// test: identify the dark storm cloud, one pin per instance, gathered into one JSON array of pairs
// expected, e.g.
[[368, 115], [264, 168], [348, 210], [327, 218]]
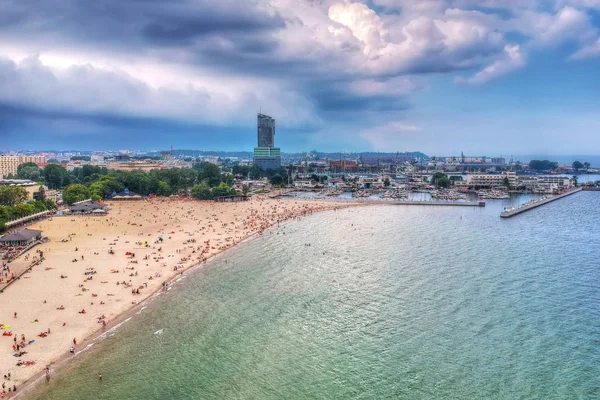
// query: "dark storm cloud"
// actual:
[[178, 29], [132, 24], [335, 98], [232, 37]]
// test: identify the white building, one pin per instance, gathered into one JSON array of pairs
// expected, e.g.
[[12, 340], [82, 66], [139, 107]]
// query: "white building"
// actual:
[[550, 184], [304, 184], [492, 180]]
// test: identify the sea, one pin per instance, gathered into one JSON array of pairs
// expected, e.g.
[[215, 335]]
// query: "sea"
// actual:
[[374, 302]]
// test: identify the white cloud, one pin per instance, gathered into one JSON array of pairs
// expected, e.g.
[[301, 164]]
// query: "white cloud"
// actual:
[[389, 137], [551, 29], [92, 90], [513, 60], [589, 51]]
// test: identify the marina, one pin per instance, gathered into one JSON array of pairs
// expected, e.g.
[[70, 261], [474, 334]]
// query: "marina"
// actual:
[[478, 203], [511, 212]]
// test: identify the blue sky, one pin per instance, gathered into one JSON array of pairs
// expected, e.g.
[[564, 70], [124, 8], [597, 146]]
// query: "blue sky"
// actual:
[[440, 76]]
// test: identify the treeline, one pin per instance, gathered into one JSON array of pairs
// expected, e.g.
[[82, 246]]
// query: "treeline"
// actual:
[[13, 205], [546, 165], [203, 180], [543, 165], [97, 182]]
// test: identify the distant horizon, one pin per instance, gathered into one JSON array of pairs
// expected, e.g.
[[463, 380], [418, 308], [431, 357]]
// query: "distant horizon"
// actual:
[[593, 159]]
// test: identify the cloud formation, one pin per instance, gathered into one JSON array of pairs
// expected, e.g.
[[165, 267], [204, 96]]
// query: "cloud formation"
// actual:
[[311, 63]]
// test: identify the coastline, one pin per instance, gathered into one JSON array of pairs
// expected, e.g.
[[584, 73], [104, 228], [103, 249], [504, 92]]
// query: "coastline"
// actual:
[[30, 385]]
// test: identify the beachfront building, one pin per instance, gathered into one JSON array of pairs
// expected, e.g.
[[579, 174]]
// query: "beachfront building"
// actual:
[[551, 184], [266, 155], [87, 207], [126, 195], [23, 237], [8, 165], [32, 188]]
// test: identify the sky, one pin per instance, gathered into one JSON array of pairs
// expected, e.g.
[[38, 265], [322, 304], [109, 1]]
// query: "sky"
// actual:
[[487, 77]]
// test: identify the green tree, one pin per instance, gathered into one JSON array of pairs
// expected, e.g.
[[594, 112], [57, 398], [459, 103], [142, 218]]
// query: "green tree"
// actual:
[[543, 165], [245, 190], [201, 191], [95, 197], [41, 193], [574, 180], [28, 171], [277, 180], [211, 174], [255, 172], [75, 193], [12, 195], [89, 170], [586, 165], [242, 170], [441, 180], [187, 178], [23, 210], [106, 185], [222, 190], [163, 189], [55, 176], [50, 205], [506, 182], [229, 179], [577, 165]]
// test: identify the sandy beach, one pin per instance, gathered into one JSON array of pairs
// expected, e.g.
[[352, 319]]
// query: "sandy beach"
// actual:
[[97, 267]]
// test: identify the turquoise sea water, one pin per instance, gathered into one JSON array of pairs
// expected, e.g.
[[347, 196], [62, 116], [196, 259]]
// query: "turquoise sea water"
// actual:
[[387, 302]]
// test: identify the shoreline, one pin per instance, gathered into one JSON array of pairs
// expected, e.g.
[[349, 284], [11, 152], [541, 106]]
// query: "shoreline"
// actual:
[[30, 385]]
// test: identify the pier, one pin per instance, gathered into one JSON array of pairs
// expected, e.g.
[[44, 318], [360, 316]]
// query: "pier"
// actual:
[[512, 213]]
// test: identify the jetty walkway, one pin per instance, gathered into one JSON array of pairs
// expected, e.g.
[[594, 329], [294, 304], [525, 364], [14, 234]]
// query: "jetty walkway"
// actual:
[[516, 211]]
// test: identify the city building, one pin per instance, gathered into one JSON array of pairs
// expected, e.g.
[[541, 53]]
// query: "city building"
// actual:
[[133, 166], [266, 131], [96, 158], [551, 184], [33, 159], [491, 180], [8, 165], [266, 155], [343, 165]]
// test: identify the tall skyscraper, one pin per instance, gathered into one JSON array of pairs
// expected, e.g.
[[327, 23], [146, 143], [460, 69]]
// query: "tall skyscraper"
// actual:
[[266, 155], [266, 131]]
